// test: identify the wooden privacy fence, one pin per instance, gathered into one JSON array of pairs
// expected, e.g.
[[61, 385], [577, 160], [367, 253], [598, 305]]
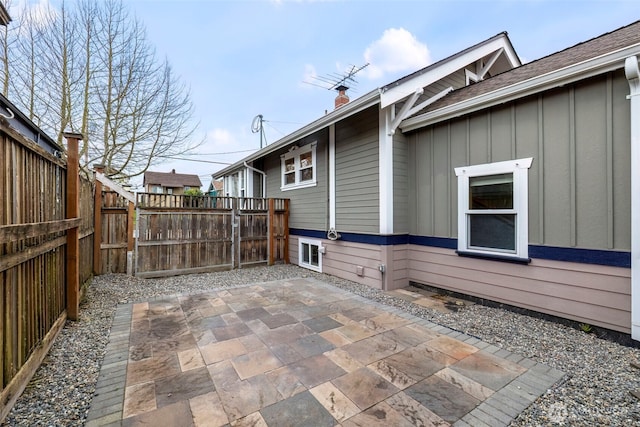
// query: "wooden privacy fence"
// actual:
[[194, 234], [44, 256], [177, 234]]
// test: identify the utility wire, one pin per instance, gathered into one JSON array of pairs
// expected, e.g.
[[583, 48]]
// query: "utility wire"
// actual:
[[195, 160], [220, 154]]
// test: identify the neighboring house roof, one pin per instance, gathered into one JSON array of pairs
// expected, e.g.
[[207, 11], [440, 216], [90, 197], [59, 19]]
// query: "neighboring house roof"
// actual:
[[397, 91], [171, 179], [217, 185], [21, 123], [592, 57]]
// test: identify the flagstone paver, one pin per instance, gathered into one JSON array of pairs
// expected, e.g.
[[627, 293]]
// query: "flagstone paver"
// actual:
[[298, 353]]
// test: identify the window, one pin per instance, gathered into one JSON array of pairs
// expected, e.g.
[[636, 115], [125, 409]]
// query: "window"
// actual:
[[241, 183], [156, 189], [299, 167], [310, 254], [234, 184], [493, 209]]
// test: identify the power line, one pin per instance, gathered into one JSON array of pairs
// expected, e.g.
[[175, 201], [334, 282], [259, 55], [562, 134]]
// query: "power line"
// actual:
[[195, 160], [286, 123], [274, 128], [222, 153]]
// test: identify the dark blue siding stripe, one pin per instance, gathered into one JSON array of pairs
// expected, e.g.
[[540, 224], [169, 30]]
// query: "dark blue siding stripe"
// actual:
[[585, 256]]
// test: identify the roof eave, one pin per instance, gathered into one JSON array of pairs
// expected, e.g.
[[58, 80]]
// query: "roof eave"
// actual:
[[585, 69], [397, 91], [353, 107]]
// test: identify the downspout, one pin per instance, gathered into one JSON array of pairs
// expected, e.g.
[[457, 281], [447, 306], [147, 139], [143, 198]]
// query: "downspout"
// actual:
[[633, 76], [264, 179]]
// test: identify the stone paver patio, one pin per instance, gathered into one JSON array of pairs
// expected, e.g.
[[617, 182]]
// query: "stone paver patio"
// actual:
[[302, 353]]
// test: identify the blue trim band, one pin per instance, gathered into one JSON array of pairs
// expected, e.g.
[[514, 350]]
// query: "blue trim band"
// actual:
[[554, 253], [585, 256], [438, 242], [370, 239]]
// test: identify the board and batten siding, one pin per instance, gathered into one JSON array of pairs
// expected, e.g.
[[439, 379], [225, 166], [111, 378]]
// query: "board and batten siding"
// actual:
[[579, 197], [579, 182], [357, 173], [400, 184], [308, 207]]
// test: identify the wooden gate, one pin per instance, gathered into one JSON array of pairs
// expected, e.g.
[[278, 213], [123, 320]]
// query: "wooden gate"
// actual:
[[114, 224], [252, 232], [173, 242], [192, 234]]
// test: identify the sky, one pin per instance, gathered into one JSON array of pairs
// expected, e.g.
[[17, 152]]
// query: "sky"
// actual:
[[242, 58]]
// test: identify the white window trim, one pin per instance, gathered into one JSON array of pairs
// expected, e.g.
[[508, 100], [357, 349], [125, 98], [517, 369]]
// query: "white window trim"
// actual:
[[310, 242], [295, 153], [520, 170], [242, 182]]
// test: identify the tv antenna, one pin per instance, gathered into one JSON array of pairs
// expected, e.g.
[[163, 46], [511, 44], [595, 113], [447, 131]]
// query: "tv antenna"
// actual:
[[258, 127], [333, 81]]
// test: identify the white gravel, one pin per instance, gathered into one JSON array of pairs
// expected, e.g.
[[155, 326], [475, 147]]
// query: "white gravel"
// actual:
[[596, 391]]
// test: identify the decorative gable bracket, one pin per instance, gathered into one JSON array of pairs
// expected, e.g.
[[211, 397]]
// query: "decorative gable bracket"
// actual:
[[409, 109], [481, 71]]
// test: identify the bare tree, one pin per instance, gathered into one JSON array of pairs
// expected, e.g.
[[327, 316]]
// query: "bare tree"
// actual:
[[91, 69]]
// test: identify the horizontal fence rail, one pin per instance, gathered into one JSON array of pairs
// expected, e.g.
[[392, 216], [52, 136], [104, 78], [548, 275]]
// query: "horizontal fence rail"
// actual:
[[178, 234], [34, 234], [180, 242]]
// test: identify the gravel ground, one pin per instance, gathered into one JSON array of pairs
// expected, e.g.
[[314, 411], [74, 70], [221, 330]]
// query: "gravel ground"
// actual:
[[596, 391]]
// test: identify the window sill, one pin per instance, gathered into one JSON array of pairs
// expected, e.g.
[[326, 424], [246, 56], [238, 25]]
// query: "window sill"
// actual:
[[494, 257], [310, 267], [296, 186]]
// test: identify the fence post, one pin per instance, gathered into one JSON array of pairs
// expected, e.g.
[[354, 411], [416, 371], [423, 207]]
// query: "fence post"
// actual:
[[97, 223], [131, 259], [73, 241], [286, 231], [270, 231]]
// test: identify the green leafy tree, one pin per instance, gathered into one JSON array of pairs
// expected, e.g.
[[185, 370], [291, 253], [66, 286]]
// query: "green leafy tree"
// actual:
[[193, 192]]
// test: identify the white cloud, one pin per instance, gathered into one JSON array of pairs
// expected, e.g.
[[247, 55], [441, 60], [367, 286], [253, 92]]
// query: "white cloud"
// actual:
[[219, 137], [396, 51], [40, 13]]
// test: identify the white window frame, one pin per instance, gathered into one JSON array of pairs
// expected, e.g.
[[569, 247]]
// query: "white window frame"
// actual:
[[308, 265], [242, 178], [295, 153], [520, 170]]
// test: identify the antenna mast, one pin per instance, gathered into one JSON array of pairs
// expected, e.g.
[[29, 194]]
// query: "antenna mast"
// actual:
[[257, 126], [334, 81]]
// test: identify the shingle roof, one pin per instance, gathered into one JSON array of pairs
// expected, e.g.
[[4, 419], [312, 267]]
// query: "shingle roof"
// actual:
[[608, 42], [218, 185], [171, 179]]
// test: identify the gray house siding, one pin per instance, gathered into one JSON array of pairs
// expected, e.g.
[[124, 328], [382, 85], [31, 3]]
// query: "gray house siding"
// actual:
[[357, 173], [575, 135], [400, 184], [308, 206], [579, 197]]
